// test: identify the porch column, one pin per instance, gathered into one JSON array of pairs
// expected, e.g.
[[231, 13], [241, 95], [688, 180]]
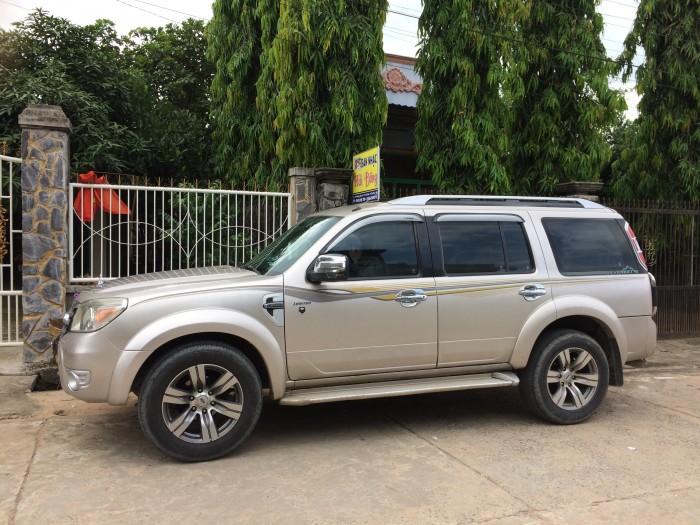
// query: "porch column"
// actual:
[[45, 175]]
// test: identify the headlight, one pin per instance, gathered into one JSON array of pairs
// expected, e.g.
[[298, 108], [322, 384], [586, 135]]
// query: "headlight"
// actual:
[[96, 313]]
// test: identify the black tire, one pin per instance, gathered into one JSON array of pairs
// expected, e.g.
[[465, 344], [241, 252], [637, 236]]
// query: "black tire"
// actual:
[[567, 377], [206, 420]]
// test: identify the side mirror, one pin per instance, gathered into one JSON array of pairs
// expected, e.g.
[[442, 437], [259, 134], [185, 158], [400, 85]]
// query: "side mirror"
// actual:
[[328, 268]]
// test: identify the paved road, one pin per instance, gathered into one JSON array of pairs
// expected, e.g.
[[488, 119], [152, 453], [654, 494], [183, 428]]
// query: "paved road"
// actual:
[[475, 456]]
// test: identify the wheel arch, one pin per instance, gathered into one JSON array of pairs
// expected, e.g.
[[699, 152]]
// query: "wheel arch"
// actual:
[[582, 314], [598, 331], [237, 329], [239, 343]]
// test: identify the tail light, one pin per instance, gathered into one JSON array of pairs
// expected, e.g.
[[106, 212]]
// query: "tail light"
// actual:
[[635, 245]]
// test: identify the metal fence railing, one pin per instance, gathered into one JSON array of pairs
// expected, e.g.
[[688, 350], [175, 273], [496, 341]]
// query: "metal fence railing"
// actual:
[[10, 252], [669, 234], [120, 230]]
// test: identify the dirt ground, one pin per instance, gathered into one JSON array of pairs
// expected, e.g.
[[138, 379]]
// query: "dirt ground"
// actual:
[[473, 456]]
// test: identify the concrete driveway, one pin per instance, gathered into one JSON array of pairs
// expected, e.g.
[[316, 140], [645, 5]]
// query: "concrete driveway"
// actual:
[[475, 456]]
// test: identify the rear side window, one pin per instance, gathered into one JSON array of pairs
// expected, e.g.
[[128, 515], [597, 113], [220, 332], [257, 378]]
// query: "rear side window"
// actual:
[[481, 247], [590, 247]]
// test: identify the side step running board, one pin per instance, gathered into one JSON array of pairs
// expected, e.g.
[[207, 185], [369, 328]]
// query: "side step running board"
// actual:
[[407, 387]]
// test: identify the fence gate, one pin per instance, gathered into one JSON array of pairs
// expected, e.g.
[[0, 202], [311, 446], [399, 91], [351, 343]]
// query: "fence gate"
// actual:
[[10, 252], [121, 230]]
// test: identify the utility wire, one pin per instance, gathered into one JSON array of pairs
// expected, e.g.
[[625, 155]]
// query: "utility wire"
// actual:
[[168, 9], [620, 3], [15, 5], [149, 12]]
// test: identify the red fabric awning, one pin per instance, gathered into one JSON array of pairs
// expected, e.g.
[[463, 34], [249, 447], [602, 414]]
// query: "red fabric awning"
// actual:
[[89, 200]]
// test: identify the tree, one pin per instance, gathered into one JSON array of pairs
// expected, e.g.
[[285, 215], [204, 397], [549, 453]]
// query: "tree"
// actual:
[[663, 159], [461, 134], [243, 150], [619, 138], [48, 60], [172, 61], [563, 104], [297, 83], [326, 60], [138, 104]]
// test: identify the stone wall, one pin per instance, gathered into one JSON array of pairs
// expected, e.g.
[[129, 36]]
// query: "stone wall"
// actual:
[[45, 176]]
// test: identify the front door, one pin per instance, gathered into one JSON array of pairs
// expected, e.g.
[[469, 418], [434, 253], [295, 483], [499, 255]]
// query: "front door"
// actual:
[[383, 318]]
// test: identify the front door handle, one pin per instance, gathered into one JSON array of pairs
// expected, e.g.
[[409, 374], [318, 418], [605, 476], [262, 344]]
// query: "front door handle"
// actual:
[[532, 292], [410, 298]]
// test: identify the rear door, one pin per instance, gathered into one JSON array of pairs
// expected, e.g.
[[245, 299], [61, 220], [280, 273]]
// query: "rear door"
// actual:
[[490, 280]]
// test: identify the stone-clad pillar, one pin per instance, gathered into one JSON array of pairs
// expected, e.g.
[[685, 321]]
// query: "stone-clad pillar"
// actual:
[[45, 175], [302, 185], [317, 189]]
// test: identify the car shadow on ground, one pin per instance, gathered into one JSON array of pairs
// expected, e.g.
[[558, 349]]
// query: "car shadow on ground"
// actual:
[[117, 430]]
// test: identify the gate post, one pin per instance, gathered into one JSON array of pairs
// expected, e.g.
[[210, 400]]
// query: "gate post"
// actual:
[[302, 186], [45, 175], [317, 189]]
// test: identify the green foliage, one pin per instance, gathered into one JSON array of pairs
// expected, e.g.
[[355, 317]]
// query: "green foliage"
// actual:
[[618, 137], [461, 134], [172, 60], [235, 48], [331, 102], [663, 158], [137, 106], [48, 60], [297, 83], [562, 102]]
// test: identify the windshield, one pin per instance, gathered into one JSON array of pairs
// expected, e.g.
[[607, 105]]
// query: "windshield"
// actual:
[[293, 243]]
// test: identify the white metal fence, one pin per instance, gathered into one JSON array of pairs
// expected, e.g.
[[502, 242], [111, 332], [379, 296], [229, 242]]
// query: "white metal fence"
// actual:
[[123, 230], [10, 252]]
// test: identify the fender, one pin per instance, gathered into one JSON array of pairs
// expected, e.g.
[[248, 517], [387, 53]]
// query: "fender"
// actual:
[[189, 322], [561, 307], [535, 325]]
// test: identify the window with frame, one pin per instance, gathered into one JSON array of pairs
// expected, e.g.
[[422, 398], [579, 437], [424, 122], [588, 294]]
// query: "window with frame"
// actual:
[[380, 250], [590, 247], [472, 247]]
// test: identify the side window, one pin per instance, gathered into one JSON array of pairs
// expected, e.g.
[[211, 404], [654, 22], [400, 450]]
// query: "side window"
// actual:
[[478, 247], [380, 250], [590, 247]]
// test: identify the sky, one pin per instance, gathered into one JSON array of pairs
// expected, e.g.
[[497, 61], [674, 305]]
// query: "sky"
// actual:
[[400, 36]]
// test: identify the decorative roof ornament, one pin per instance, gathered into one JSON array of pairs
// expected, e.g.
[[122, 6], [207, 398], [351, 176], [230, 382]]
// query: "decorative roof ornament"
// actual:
[[396, 81]]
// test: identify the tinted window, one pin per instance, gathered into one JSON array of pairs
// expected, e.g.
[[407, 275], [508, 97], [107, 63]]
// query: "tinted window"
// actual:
[[380, 250], [518, 253], [484, 247], [590, 246]]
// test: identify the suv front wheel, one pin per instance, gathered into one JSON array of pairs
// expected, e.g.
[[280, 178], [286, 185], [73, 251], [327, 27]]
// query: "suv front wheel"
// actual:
[[200, 401], [566, 378]]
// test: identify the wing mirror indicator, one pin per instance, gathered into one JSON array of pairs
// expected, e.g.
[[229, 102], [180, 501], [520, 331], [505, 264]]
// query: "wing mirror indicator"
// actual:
[[329, 267]]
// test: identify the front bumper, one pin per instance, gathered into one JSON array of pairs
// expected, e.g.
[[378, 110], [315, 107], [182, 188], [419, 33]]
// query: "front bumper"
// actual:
[[86, 364]]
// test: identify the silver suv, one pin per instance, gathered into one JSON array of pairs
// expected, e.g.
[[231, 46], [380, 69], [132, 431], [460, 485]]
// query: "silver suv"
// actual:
[[420, 294]]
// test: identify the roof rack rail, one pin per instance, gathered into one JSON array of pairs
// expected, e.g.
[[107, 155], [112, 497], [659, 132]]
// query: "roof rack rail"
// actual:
[[489, 200]]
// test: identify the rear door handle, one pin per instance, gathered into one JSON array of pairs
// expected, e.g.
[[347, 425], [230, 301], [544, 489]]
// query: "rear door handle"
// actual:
[[532, 292], [410, 298]]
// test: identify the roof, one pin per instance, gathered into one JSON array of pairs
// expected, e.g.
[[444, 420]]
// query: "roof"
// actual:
[[401, 82]]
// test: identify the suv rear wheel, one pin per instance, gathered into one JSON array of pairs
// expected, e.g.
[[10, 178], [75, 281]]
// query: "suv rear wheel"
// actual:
[[566, 378], [200, 401]]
